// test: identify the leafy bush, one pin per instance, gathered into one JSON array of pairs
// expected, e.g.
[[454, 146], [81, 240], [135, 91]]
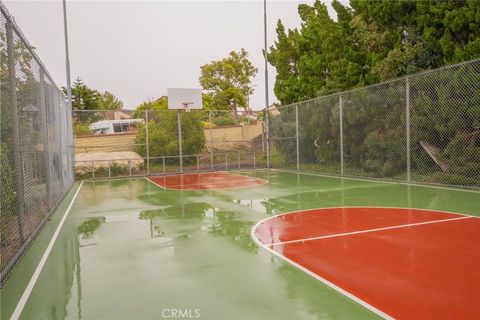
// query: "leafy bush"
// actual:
[[7, 181], [223, 121], [163, 134], [82, 129]]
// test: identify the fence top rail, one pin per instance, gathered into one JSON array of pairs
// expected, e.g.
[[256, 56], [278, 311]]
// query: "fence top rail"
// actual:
[[400, 79], [18, 31], [247, 112], [161, 157]]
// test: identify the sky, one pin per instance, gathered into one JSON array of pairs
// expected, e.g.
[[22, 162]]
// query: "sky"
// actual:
[[138, 49]]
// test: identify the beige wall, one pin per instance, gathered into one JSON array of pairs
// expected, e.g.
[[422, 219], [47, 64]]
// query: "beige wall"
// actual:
[[126, 141], [234, 135], [105, 143]]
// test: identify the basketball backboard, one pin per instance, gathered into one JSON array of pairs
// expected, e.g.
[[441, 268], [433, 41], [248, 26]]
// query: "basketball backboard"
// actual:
[[183, 98]]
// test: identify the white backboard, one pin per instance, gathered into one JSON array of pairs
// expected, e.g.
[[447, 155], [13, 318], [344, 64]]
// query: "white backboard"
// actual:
[[178, 97]]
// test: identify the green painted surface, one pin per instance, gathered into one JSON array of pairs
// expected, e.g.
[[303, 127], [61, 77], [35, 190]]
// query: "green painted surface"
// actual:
[[132, 250]]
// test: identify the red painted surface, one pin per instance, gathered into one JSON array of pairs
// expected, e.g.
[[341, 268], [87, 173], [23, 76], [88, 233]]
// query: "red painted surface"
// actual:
[[428, 271], [207, 180], [328, 221]]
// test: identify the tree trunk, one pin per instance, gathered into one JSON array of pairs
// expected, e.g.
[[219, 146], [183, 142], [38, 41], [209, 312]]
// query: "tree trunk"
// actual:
[[235, 113]]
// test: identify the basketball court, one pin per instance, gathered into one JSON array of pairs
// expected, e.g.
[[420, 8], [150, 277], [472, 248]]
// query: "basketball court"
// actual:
[[387, 259], [298, 247], [206, 180], [207, 221]]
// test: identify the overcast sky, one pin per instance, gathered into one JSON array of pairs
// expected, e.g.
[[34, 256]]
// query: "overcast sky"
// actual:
[[137, 49]]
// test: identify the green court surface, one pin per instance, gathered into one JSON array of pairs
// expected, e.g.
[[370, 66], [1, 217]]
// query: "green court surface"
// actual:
[[131, 250]]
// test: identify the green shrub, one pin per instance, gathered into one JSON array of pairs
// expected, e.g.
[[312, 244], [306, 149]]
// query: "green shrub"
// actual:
[[7, 181], [163, 135], [82, 129], [223, 121]]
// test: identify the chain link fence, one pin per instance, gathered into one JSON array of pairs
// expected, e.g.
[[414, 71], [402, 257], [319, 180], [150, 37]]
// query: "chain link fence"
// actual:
[[36, 144], [424, 128], [126, 143]]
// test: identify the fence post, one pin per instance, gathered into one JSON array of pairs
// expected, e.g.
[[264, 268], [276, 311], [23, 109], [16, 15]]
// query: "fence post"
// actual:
[[46, 148], [254, 164], [211, 139], [198, 164], [226, 161], [109, 172], [297, 138], [180, 149], [130, 168], [147, 142], [407, 112], [267, 134], [163, 164], [342, 162], [238, 159], [17, 157]]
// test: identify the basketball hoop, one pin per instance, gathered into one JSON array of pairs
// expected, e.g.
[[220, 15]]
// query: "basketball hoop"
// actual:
[[186, 106]]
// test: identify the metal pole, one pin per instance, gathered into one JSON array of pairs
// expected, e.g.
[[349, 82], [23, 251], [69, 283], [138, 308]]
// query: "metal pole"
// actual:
[[407, 111], [109, 172], [180, 150], [211, 139], [198, 164], [163, 165], [298, 144], [266, 82], [17, 156], [226, 161], [147, 142], [67, 55], [130, 168], [254, 164], [341, 134], [46, 149]]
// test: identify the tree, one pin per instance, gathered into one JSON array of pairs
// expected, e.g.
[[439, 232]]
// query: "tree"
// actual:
[[163, 130], [84, 98], [370, 42], [159, 104], [373, 41], [229, 81], [88, 99], [109, 102]]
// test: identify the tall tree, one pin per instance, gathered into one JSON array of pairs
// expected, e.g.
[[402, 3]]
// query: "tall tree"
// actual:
[[163, 130], [371, 41], [229, 80], [85, 98], [108, 101]]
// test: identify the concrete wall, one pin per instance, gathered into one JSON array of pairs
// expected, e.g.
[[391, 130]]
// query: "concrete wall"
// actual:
[[105, 143], [224, 137]]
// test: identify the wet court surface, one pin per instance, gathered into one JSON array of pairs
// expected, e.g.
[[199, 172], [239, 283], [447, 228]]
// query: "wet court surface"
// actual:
[[130, 249]]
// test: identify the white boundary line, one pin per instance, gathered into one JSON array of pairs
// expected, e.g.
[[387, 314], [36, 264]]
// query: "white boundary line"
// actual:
[[367, 231], [368, 207], [316, 276], [217, 189], [28, 290], [323, 280], [376, 180]]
